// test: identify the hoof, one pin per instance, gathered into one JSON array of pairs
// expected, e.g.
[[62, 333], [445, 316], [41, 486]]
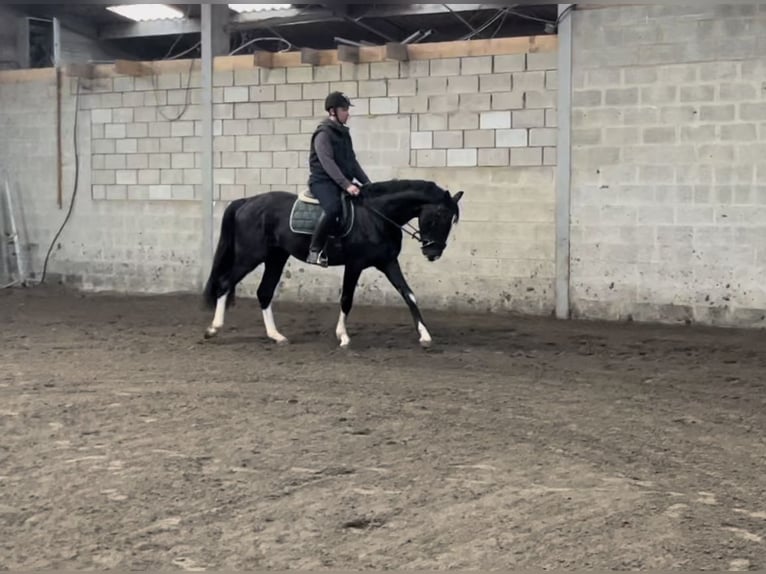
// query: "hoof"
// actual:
[[210, 333], [282, 342], [345, 344], [426, 343]]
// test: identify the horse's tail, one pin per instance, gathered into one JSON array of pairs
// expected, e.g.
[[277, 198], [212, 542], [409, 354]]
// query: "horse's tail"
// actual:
[[223, 260]]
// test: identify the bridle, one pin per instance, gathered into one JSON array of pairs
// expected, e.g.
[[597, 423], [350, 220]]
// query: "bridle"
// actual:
[[415, 233]]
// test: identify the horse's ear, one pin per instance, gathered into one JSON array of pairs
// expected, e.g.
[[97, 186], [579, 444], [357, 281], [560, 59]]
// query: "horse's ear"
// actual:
[[457, 196]]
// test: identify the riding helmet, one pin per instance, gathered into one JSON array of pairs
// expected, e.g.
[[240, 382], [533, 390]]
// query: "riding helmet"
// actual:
[[336, 100]]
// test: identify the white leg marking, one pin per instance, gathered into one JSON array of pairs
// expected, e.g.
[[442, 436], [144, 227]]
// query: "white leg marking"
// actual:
[[340, 331], [412, 298], [425, 336], [271, 327], [220, 308]]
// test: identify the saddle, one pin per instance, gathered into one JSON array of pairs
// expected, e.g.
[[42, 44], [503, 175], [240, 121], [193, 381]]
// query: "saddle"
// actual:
[[306, 211]]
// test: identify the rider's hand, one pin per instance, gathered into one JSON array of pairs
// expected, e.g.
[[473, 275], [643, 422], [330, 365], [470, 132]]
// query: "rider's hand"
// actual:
[[352, 189]]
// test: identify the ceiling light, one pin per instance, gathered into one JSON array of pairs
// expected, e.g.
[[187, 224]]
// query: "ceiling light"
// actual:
[[146, 12], [239, 8]]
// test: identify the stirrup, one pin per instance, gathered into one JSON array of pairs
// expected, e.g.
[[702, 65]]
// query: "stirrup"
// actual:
[[317, 258]]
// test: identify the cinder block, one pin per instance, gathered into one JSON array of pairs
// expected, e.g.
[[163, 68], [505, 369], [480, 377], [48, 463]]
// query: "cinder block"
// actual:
[[354, 72], [443, 103], [528, 119], [262, 126], [236, 94], [273, 110], [298, 142], [421, 140], [126, 146], [223, 176], [495, 83], [114, 161], [132, 99], [434, 122], [273, 75], [126, 177], [384, 70], [545, 99], [274, 176], [168, 82], [351, 89], [621, 97], [475, 102], [552, 80], [137, 130], [275, 142], [493, 157], [103, 177], [507, 100], [697, 93], [259, 159], [137, 161], [159, 160], [327, 73], [379, 106], [431, 158], [510, 63], [97, 131], [116, 192], [262, 93], [495, 120], [286, 159], [445, 67], [659, 135], [300, 109], [413, 104], [182, 160], [290, 126], [463, 85], [476, 65], [739, 132], [647, 75], [551, 118], [432, 86], [462, 158], [528, 81], [115, 131], [405, 87], [149, 177], [511, 138], [373, 89], [248, 143], [145, 114], [234, 127], [101, 116], [300, 74], [463, 121], [714, 113], [246, 111], [549, 156], [182, 129], [287, 92], [543, 137], [414, 69], [542, 60], [448, 139], [250, 77], [237, 159], [479, 139], [224, 143], [244, 176]]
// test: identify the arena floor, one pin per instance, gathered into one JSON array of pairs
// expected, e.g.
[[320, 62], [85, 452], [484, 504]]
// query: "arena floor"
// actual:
[[129, 442]]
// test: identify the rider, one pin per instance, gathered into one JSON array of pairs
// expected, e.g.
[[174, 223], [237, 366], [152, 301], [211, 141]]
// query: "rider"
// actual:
[[333, 168]]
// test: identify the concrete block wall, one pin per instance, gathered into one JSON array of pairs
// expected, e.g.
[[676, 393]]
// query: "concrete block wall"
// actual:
[[669, 164], [489, 131]]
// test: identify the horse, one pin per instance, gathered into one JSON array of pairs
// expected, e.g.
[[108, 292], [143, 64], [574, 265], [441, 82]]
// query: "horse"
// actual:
[[258, 230]]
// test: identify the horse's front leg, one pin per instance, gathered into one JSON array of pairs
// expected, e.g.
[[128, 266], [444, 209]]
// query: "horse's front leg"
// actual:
[[394, 274], [350, 279]]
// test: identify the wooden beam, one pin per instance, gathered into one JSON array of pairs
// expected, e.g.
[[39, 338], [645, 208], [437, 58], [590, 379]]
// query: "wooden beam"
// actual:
[[132, 68], [397, 51], [310, 56], [348, 54], [263, 59]]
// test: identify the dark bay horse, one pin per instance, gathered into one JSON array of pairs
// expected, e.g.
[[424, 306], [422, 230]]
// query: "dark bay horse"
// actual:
[[257, 230]]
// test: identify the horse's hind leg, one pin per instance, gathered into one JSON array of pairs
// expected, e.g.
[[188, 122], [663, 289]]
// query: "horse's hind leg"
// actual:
[[238, 272], [275, 264]]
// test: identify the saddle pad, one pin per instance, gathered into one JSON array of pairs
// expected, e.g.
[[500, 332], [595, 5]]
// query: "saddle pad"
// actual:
[[304, 217]]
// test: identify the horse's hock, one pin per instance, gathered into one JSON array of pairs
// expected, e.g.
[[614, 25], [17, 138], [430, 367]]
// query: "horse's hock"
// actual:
[[663, 218]]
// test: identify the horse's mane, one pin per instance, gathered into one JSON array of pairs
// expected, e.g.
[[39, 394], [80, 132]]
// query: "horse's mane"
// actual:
[[392, 186]]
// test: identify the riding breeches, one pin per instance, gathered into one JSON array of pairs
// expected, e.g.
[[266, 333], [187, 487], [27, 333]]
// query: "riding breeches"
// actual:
[[329, 196]]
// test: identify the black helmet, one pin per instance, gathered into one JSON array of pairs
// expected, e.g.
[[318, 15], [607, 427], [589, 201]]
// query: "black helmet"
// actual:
[[336, 100]]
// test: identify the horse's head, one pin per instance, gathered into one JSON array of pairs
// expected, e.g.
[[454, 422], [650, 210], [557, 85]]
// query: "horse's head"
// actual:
[[436, 221]]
